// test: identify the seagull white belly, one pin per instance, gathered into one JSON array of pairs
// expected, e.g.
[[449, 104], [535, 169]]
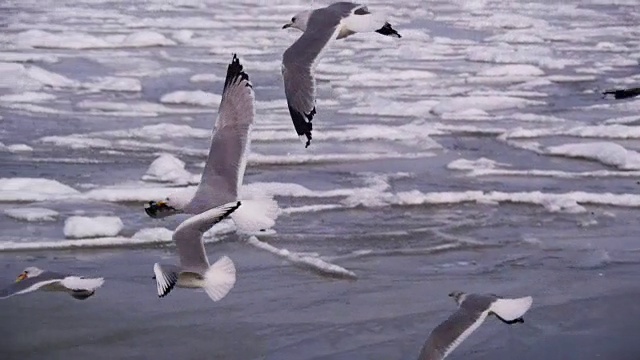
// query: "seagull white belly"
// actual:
[[190, 280]]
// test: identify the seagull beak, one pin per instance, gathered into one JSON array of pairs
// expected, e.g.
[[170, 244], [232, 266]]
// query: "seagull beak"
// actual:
[[21, 277], [287, 25]]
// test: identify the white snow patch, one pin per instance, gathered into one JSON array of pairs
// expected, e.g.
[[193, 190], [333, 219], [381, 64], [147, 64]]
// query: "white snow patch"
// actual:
[[198, 97], [168, 168], [33, 189], [32, 214], [77, 227]]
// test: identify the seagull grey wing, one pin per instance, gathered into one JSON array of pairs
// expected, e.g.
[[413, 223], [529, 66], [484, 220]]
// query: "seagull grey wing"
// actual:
[[298, 63], [451, 333], [31, 284], [188, 236], [225, 165], [345, 8]]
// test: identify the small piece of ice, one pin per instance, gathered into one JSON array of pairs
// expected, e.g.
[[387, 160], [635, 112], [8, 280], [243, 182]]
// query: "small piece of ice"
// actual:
[[77, 227], [32, 214], [198, 98]]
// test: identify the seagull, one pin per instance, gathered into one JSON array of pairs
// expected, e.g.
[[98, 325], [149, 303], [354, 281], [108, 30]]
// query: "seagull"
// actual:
[[194, 270], [472, 310], [622, 93], [33, 278], [224, 169], [320, 27]]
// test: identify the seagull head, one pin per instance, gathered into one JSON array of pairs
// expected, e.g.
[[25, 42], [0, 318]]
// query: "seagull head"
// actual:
[[159, 209], [299, 21], [171, 205], [31, 271], [458, 296]]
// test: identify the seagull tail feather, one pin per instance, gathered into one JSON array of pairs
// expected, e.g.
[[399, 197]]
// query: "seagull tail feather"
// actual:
[[511, 309], [220, 278]]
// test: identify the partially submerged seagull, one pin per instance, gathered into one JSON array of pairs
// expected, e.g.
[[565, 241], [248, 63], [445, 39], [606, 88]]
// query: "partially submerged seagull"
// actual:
[[33, 278], [225, 165], [472, 310], [320, 27], [194, 270]]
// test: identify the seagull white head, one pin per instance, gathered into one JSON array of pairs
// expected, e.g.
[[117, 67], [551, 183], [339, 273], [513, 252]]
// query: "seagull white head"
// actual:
[[31, 271], [172, 204], [458, 296], [299, 21]]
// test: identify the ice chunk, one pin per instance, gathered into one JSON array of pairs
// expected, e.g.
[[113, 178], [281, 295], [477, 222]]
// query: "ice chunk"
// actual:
[[32, 214], [608, 153], [486, 103], [27, 97], [78, 227], [168, 168], [198, 97], [33, 189]]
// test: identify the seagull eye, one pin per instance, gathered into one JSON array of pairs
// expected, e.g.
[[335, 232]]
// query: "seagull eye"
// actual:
[[293, 19]]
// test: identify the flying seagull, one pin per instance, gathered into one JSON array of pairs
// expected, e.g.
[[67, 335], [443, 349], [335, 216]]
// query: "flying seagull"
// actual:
[[225, 165], [320, 27], [472, 310], [32, 279], [194, 270], [622, 93]]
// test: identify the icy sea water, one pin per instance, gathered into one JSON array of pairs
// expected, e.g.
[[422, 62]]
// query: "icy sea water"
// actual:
[[473, 154]]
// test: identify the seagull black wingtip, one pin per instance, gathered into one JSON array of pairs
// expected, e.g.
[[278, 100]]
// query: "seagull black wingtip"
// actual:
[[235, 70]]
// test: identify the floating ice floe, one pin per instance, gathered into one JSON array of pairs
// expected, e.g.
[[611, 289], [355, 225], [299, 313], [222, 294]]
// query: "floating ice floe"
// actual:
[[615, 131], [485, 103], [76, 40], [114, 83], [205, 78], [516, 70], [607, 153], [522, 54], [77, 227], [168, 168], [517, 37], [30, 77], [33, 189], [17, 148], [508, 21], [481, 163], [27, 97], [198, 98], [21, 57], [32, 214]]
